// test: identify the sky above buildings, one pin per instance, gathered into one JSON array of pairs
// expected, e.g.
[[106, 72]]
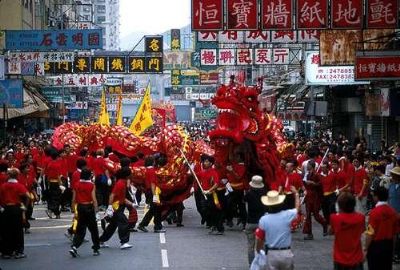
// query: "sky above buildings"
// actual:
[[153, 16]]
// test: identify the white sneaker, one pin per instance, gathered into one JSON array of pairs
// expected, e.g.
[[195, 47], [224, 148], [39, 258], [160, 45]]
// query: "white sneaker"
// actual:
[[104, 245], [125, 246]]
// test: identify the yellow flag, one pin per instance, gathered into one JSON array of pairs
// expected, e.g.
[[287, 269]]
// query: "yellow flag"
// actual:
[[119, 111], [143, 118], [104, 118]]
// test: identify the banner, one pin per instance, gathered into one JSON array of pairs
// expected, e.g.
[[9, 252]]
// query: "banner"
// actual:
[[104, 118], [312, 14], [143, 118], [384, 65], [41, 57], [44, 40], [207, 15], [382, 13], [276, 14], [346, 14], [338, 47], [11, 93], [242, 14], [175, 40]]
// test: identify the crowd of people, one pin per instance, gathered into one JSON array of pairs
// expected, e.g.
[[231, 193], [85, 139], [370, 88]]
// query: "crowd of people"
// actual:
[[339, 183]]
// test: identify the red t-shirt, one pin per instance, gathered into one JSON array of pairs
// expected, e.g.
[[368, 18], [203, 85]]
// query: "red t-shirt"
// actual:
[[53, 169], [3, 178], [71, 162], [119, 191], [11, 192], [292, 179], [208, 177], [240, 170], [63, 166], [76, 176], [340, 178], [99, 166], [83, 191], [151, 177], [382, 222], [360, 177], [328, 182], [26, 180], [347, 228]]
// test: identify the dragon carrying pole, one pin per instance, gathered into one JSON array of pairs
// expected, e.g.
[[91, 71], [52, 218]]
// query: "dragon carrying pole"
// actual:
[[194, 174]]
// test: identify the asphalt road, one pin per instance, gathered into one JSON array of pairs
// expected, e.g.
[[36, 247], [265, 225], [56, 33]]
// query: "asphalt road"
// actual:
[[188, 247]]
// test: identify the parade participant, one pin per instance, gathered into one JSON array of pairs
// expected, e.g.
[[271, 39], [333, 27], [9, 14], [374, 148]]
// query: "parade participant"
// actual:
[[360, 186], [394, 201], [84, 200], [348, 227], [12, 231], [209, 180], [236, 175], [27, 180], [273, 234], [115, 210], [313, 201], [102, 176], [154, 210], [3, 172], [53, 174], [382, 228], [348, 169], [328, 182], [255, 210], [339, 175]]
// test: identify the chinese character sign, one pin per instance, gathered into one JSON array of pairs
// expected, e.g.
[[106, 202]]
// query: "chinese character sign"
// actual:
[[226, 57], [208, 57], [82, 64], [136, 64], [312, 14], [116, 64], [347, 14], [207, 15], [242, 14], [281, 56], [374, 67], [84, 39], [382, 13], [263, 56], [99, 64], [175, 39], [153, 44], [154, 64], [244, 56], [276, 14]]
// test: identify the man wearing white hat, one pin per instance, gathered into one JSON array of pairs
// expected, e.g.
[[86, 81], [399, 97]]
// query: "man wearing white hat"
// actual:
[[273, 234]]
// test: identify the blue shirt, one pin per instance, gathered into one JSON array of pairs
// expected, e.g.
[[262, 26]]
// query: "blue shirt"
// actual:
[[394, 196], [277, 228]]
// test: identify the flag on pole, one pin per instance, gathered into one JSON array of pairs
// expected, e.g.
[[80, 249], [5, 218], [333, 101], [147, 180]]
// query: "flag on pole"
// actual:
[[104, 118], [119, 111], [143, 118]]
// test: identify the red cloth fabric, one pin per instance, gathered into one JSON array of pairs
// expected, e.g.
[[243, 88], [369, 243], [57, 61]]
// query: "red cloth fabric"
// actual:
[[383, 221], [360, 176], [240, 170], [3, 178], [208, 177], [119, 191], [340, 178], [76, 176], [71, 162], [10, 193], [292, 179], [347, 228], [328, 182], [83, 191], [53, 169], [260, 234], [99, 166], [151, 177], [26, 180]]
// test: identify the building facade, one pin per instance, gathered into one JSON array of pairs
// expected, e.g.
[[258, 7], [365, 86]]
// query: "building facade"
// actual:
[[106, 15]]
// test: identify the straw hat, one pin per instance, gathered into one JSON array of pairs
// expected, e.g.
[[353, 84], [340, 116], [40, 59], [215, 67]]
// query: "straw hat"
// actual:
[[272, 198], [395, 171], [256, 182]]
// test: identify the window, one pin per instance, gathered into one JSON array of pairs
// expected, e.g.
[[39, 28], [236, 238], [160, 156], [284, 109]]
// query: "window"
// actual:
[[101, 9], [101, 19]]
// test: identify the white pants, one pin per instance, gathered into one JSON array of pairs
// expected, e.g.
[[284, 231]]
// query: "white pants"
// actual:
[[280, 260]]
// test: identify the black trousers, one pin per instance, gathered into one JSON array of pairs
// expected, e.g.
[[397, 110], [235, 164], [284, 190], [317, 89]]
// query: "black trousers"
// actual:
[[380, 255], [328, 206], [12, 230], [214, 214], [236, 205], [120, 221], [338, 266], [54, 198], [86, 219], [201, 204], [154, 211]]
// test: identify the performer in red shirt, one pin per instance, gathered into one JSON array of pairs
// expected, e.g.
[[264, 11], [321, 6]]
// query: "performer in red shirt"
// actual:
[[340, 176], [382, 228], [236, 175], [27, 179], [12, 231], [360, 186], [117, 203], [84, 198], [53, 173], [328, 182], [348, 227], [102, 176]]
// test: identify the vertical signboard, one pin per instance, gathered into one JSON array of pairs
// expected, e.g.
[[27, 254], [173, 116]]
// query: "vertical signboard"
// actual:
[[207, 15], [242, 14], [346, 14], [312, 14], [382, 13], [276, 14], [175, 39]]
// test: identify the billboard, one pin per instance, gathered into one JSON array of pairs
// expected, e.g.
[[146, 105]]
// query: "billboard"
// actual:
[[11, 93], [383, 65], [44, 40]]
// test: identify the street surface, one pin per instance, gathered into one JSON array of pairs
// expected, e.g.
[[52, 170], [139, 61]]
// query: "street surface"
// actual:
[[188, 247]]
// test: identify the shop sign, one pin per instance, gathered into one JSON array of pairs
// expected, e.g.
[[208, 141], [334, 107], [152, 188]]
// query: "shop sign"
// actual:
[[377, 65]]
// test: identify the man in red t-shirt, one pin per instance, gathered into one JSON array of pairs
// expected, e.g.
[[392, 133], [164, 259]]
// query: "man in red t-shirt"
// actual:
[[382, 228], [360, 186], [53, 172], [328, 188], [12, 233], [348, 227]]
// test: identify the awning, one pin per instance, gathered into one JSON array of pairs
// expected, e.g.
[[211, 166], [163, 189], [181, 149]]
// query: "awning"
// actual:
[[33, 102]]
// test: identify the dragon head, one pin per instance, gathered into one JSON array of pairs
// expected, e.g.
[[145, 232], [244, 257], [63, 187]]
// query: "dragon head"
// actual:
[[238, 117]]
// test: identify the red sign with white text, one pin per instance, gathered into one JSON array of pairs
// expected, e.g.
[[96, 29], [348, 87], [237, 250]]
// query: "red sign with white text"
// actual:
[[377, 67], [276, 14], [346, 14], [207, 15], [312, 14], [242, 14], [382, 13]]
